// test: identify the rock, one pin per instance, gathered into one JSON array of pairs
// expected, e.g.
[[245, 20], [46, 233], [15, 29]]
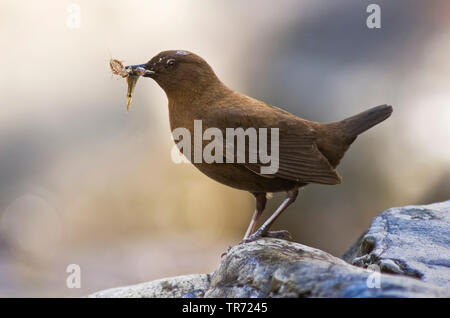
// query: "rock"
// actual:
[[405, 253], [352, 252], [277, 268], [412, 241], [180, 286]]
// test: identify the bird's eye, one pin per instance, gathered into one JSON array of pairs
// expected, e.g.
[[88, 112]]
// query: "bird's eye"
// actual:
[[171, 62]]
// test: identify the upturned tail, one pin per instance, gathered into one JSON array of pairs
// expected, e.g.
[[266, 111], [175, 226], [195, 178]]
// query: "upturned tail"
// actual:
[[355, 125]]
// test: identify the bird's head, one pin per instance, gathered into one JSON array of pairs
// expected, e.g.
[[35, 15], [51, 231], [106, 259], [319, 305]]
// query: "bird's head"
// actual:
[[178, 71]]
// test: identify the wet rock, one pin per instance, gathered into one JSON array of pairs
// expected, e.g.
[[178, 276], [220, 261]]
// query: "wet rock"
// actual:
[[181, 286], [412, 241], [277, 268], [405, 253]]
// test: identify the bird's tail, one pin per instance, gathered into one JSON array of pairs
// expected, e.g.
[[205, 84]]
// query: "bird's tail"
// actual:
[[355, 125]]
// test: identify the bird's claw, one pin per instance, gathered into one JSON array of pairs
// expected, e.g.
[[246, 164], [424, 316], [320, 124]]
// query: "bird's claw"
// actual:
[[254, 237], [281, 234]]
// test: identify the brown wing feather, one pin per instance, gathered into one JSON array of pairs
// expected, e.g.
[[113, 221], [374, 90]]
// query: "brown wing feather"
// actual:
[[299, 158]]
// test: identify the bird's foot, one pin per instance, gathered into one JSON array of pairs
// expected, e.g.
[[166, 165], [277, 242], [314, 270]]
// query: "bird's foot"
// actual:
[[281, 234], [254, 237]]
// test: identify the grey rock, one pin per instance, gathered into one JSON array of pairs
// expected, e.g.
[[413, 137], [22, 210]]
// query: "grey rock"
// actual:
[[352, 252], [412, 241], [405, 253], [277, 268], [181, 286]]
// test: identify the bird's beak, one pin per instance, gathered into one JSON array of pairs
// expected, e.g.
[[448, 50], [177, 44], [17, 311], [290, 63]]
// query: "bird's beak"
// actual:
[[139, 70], [134, 71]]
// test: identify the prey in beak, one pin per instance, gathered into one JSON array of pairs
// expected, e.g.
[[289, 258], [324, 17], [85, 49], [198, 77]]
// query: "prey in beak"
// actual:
[[140, 70], [131, 73]]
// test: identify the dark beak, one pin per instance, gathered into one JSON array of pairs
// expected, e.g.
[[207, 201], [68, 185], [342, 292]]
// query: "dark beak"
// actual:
[[139, 70]]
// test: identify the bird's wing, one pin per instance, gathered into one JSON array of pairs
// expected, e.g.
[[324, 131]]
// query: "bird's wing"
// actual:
[[299, 157]]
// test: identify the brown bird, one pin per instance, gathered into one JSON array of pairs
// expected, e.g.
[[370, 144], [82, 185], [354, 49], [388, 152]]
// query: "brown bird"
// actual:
[[308, 151]]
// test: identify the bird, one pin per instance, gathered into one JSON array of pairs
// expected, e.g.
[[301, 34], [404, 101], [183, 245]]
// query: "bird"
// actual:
[[309, 151]]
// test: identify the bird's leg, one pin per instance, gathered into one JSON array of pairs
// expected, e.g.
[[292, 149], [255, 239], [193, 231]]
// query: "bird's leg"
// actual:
[[260, 206], [263, 230]]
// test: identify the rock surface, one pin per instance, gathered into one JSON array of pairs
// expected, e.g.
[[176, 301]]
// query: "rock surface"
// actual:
[[276, 268], [412, 241], [181, 286], [410, 245]]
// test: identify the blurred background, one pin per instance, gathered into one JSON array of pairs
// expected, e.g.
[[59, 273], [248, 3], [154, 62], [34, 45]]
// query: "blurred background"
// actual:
[[84, 182]]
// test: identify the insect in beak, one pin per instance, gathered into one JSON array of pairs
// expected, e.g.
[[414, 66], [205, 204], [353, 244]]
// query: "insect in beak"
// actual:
[[131, 73]]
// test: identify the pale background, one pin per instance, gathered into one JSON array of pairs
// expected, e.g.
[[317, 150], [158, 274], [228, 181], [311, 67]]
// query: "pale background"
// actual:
[[84, 182]]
